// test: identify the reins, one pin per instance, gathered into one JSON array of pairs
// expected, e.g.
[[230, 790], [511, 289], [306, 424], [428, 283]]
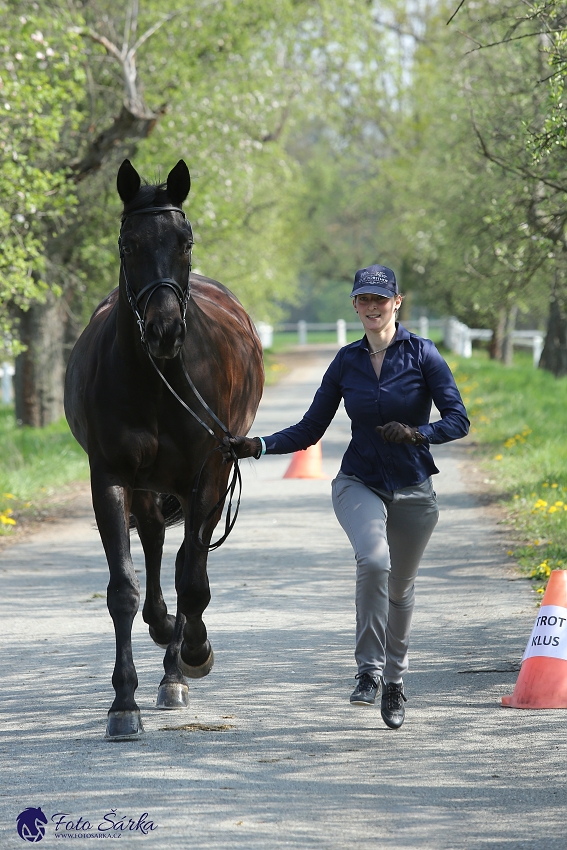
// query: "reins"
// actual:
[[183, 299]]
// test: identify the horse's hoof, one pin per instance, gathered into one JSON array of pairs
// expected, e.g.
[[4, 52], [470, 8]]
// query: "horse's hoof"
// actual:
[[154, 637], [124, 726], [199, 671], [172, 695]]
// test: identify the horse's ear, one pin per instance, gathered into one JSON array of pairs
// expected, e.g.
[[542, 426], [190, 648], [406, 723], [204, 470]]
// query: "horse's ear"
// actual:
[[128, 182], [178, 183]]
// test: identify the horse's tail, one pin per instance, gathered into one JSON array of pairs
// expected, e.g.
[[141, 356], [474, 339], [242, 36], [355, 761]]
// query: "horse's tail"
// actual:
[[171, 510]]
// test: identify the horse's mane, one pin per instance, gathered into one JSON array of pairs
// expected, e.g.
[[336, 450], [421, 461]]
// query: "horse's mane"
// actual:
[[149, 195]]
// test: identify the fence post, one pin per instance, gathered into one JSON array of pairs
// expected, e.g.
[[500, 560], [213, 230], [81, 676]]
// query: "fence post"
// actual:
[[7, 372], [424, 327], [537, 349], [341, 332], [302, 332], [266, 334]]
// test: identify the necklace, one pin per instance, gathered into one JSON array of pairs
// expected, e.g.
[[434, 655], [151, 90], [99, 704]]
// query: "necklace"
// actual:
[[378, 350]]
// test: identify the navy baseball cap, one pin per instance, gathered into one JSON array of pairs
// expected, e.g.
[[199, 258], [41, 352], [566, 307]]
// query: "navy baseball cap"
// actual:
[[375, 280]]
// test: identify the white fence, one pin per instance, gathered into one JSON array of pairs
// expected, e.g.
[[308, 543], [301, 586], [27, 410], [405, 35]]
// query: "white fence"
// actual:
[[302, 328], [7, 372], [457, 336]]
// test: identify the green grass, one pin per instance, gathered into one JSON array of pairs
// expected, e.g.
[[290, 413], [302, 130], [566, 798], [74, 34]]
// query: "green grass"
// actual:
[[36, 463], [518, 420]]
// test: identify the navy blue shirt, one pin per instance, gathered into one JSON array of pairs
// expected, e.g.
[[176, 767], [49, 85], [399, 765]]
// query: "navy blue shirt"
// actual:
[[413, 376]]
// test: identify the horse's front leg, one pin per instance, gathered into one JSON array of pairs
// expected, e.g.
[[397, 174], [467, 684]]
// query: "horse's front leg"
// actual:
[[196, 656], [111, 503]]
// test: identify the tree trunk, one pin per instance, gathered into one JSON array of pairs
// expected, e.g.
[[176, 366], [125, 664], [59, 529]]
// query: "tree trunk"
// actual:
[[554, 354], [495, 347], [40, 369]]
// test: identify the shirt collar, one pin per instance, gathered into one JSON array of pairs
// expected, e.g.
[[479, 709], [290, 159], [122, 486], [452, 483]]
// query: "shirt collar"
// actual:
[[401, 333]]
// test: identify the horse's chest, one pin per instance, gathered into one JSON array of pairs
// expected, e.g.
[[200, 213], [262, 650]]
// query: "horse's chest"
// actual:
[[161, 459]]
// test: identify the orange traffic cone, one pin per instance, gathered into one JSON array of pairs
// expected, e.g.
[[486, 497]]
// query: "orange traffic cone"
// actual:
[[542, 682], [306, 464]]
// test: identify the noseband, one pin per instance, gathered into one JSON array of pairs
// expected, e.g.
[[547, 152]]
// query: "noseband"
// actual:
[[181, 294]]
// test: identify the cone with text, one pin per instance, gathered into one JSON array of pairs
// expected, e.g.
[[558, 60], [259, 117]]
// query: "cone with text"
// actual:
[[306, 463], [542, 682]]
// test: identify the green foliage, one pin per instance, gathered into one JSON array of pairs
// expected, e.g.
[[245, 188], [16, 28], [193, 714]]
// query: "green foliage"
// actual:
[[517, 417], [41, 89]]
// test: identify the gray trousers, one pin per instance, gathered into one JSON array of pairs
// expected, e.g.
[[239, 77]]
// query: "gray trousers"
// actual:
[[389, 533]]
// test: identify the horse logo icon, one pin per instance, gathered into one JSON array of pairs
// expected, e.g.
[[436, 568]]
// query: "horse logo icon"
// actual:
[[31, 824]]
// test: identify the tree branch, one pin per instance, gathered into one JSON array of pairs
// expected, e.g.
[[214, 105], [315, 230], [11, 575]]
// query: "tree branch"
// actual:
[[455, 12], [135, 121]]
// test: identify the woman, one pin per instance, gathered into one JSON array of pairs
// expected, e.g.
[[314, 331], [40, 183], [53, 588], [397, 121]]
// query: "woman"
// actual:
[[383, 495]]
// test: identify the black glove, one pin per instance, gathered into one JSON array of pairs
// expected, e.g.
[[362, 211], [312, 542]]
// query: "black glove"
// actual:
[[241, 446], [397, 432]]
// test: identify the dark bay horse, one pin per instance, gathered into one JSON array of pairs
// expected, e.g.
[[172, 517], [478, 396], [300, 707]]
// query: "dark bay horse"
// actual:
[[142, 442]]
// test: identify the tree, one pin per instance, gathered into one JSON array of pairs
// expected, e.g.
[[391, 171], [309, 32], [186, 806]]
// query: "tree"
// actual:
[[40, 85]]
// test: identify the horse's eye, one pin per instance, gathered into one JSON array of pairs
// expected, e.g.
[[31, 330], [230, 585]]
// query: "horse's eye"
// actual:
[[187, 248], [127, 249]]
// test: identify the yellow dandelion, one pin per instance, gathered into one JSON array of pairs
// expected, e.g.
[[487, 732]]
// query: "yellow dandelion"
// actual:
[[8, 495], [559, 504], [552, 509], [545, 484], [555, 486], [498, 457], [510, 552]]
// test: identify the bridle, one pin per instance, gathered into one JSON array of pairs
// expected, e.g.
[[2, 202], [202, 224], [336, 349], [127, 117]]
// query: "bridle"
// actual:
[[183, 296]]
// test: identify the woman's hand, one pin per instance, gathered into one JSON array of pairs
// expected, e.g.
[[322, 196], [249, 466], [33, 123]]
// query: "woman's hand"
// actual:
[[241, 446], [397, 432]]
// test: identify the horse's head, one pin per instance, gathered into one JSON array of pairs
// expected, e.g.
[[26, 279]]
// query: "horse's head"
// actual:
[[155, 251]]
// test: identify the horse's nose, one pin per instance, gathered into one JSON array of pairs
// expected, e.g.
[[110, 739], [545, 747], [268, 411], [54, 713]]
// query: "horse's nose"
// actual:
[[165, 338]]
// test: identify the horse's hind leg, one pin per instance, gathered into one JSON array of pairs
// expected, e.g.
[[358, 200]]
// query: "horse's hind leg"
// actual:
[[151, 531], [165, 630], [173, 691]]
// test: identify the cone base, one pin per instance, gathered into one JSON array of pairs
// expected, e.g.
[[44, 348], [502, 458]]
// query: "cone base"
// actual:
[[542, 683]]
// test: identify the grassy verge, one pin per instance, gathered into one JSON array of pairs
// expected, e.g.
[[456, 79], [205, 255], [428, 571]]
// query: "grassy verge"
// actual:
[[36, 463], [518, 421]]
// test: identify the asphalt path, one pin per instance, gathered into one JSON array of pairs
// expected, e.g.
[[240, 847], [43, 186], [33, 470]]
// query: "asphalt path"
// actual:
[[270, 754]]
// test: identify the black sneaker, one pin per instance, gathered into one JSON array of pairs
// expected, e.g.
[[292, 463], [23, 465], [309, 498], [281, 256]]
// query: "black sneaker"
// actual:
[[366, 690], [392, 709]]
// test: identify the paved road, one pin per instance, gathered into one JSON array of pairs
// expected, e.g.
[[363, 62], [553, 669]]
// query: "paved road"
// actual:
[[270, 754]]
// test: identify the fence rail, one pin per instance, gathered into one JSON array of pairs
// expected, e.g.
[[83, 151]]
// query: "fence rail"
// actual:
[[457, 336]]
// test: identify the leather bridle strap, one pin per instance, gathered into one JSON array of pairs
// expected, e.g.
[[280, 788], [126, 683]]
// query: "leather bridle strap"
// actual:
[[149, 289], [230, 518], [183, 298]]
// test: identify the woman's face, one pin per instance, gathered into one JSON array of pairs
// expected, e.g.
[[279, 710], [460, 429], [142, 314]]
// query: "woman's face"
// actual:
[[376, 312]]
